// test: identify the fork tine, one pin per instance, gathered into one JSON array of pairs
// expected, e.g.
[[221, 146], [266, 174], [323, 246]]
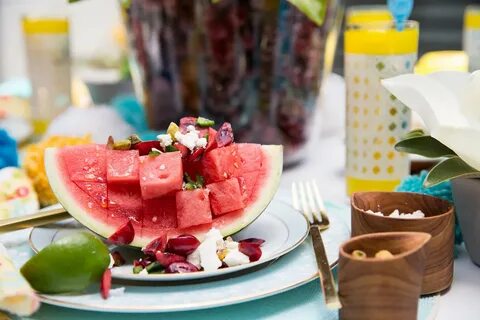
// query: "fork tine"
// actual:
[[315, 209], [319, 200], [307, 212]]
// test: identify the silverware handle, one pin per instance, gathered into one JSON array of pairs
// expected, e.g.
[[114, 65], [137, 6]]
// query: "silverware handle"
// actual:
[[33, 220], [326, 278]]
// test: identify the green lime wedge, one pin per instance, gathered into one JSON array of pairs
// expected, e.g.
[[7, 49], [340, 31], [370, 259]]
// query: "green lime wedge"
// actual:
[[67, 265]]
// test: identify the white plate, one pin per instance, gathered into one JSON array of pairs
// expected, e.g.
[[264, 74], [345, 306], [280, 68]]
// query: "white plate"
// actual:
[[282, 228], [290, 271]]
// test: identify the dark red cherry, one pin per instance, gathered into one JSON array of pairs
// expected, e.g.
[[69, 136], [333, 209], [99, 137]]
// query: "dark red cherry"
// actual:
[[181, 267], [166, 258], [182, 245], [253, 251], [155, 245]]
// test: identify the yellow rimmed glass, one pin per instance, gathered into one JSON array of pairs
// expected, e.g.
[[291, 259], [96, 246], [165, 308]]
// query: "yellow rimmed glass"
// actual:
[[376, 120], [471, 36]]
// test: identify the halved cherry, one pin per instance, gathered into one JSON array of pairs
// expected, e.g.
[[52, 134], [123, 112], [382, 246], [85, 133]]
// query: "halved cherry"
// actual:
[[251, 250], [196, 155], [254, 241], [106, 283], [145, 147], [183, 150], [166, 258], [182, 245], [212, 142], [181, 267], [155, 245], [224, 135], [187, 121], [123, 235]]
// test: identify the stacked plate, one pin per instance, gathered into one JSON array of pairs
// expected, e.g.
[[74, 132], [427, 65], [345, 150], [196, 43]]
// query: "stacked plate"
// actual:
[[287, 262]]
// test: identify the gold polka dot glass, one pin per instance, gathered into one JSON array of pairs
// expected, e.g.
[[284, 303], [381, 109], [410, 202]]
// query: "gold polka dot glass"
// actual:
[[375, 51]]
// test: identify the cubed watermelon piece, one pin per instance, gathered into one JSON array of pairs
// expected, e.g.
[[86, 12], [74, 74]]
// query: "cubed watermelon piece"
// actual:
[[122, 166], [221, 164], [225, 196], [250, 156], [247, 183], [160, 175], [125, 203], [86, 162], [193, 208], [96, 190], [160, 213]]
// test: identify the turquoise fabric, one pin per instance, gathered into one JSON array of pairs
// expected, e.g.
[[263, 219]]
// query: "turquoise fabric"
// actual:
[[8, 150]]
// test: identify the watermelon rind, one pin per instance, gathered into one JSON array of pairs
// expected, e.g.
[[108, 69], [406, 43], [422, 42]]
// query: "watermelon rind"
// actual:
[[65, 194]]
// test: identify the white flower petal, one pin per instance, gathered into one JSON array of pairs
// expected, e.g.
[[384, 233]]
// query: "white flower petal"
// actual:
[[471, 99], [455, 81], [462, 140], [433, 101]]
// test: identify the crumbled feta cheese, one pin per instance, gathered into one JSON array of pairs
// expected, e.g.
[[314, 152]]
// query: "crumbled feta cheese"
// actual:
[[165, 140], [398, 215], [206, 253], [201, 143], [191, 139], [235, 258], [230, 244]]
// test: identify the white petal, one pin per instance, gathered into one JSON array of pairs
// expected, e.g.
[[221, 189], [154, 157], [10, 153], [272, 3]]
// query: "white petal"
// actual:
[[456, 81], [433, 101], [462, 140], [471, 99]]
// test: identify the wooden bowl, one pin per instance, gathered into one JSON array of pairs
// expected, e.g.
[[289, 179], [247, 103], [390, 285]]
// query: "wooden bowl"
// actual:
[[379, 289], [439, 222]]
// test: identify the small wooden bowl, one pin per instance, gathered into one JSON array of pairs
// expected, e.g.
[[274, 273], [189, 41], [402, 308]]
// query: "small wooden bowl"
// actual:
[[439, 222], [378, 289]]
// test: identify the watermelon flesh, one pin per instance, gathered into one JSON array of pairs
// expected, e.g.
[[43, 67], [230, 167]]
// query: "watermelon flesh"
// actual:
[[160, 175], [157, 206]]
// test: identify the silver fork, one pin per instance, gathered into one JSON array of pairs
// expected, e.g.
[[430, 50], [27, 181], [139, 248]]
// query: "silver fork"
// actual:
[[306, 198]]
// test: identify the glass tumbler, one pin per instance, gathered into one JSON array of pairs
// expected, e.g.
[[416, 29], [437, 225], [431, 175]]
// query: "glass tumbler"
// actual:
[[471, 36], [376, 120]]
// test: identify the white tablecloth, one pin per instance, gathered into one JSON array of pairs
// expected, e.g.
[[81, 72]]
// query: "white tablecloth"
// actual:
[[325, 162]]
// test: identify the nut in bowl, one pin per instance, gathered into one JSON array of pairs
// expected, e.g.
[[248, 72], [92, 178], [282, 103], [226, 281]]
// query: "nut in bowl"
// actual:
[[375, 280], [403, 211]]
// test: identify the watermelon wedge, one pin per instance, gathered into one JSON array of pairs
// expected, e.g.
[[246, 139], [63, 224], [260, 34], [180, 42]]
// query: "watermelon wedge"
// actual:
[[240, 181]]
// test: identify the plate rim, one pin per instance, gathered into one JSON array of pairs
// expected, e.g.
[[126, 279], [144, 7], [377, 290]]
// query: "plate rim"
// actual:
[[220, 272]]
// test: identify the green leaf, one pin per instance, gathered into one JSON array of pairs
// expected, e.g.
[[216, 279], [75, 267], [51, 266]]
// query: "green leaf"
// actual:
[[137, 269], [450, 168], [170, 149], [190, 186], [200, 181], [426, 146], [315, 10], [414, 133]]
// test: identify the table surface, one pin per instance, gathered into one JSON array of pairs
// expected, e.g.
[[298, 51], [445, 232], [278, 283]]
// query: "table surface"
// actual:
[[325, 162]]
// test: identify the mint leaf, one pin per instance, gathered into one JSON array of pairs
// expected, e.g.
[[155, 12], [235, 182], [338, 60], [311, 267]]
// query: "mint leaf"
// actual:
[[315, 10], [204, 122]]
